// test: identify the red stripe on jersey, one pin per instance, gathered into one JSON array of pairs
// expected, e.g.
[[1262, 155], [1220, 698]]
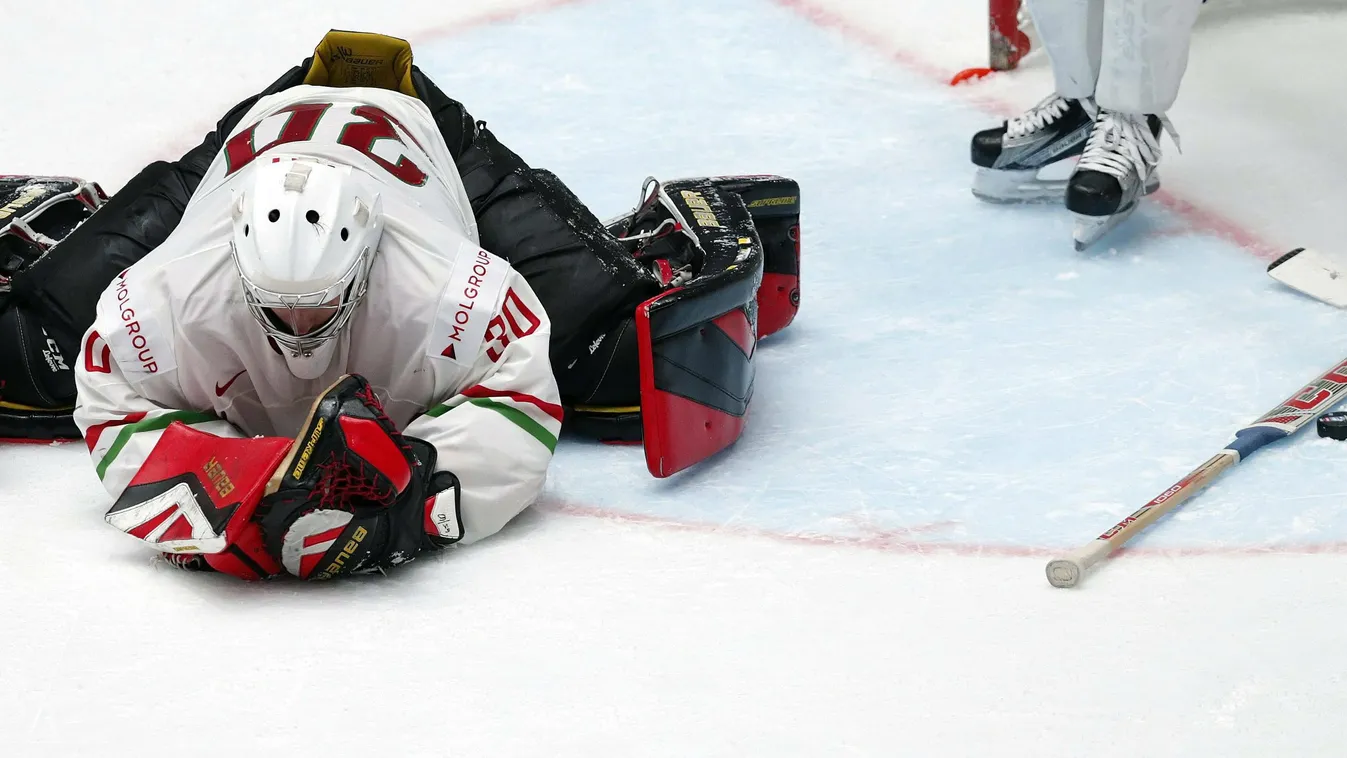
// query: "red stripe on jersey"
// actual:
[[551, 409], [96, 431]]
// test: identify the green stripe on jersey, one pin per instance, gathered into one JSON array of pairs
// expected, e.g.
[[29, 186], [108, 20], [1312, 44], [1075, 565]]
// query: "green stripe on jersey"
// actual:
[[516, 417], [149, 425]]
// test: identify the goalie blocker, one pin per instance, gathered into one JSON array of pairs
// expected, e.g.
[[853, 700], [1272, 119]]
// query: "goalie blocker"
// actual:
[[680, 370]]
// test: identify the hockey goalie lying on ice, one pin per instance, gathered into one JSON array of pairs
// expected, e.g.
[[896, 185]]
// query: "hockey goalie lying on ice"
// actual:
[[343, 329]]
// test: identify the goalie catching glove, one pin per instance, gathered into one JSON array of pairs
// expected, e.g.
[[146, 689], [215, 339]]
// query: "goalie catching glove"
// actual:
[[349, 495]]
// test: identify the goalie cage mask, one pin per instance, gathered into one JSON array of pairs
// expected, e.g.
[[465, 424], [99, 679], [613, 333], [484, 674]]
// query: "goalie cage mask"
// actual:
[[305, 233]]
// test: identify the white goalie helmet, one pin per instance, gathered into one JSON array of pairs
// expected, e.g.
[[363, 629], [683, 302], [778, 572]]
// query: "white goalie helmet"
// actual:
[[305, 233]]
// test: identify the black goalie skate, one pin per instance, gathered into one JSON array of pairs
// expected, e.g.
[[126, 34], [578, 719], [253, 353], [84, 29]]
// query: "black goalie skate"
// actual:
[[658, 235], [36, 212], [1010, 156], [1116, 170]]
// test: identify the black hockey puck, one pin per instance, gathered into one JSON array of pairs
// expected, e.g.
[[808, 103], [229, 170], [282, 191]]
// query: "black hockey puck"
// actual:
[[1333, 425]]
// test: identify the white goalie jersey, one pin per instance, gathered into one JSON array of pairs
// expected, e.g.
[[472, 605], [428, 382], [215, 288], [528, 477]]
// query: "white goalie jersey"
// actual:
[[452, 338]]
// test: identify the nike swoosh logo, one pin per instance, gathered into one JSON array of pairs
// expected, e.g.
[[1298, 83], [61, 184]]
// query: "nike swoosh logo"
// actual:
[[219, 391]]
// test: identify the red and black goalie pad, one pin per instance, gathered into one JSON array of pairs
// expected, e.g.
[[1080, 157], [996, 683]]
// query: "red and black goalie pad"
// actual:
[[197, 493], [774, 204], [696, 342], [611, 409], [347, 498]]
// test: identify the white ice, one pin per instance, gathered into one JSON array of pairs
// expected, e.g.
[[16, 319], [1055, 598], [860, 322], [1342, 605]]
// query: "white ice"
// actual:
[[862, 574]]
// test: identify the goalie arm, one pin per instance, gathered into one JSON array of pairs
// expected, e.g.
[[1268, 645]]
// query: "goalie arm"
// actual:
[[119, 424], [496, 434]]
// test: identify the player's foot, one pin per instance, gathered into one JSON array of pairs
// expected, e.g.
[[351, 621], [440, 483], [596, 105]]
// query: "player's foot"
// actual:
[[1010, 156], [659, 236], [1117, 168]]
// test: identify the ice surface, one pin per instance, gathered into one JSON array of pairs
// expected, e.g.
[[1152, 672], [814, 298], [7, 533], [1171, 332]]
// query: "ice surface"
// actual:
[[862, 573]]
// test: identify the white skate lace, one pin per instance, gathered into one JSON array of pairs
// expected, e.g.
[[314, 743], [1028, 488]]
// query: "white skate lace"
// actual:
[[1121, 143], [652, 194], [1047, 111]]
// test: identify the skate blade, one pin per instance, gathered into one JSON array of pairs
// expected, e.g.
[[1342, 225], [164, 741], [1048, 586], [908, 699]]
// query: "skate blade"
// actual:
[[1089, 229], [1010, 187]]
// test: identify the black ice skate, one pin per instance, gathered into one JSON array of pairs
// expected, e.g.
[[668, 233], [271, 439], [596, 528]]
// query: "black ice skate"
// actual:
[[1010, 156], [1117, 168], [658, 235]]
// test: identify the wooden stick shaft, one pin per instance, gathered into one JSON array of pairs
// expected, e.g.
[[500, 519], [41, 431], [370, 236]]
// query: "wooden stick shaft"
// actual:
[[1066, 571], [1282, 421]]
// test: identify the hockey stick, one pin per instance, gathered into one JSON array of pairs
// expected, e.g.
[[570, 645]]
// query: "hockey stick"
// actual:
[[1314, 273], [1289, 415]]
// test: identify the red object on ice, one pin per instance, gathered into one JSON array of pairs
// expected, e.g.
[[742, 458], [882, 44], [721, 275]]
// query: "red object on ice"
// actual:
[[1007, 42]]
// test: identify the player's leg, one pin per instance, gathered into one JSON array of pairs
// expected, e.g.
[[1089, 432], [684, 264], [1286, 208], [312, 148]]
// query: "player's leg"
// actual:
[[697, 341], [1145, 54], [51, 298], [677, 284], [1071, 32], [1010, 157], [586, 279], [39, 344]]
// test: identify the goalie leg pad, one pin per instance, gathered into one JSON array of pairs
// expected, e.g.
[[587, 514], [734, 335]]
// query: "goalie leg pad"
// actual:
[[610, 407], [774, 204], [22, 424], [38, 369], [584, 278], [38, 342], [678, 375], [696, 342]]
